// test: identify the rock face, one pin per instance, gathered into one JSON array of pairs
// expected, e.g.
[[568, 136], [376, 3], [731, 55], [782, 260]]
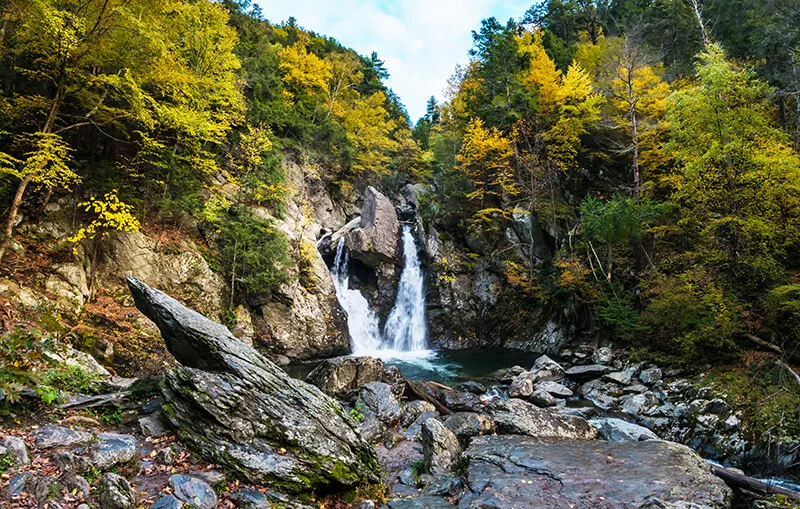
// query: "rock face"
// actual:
[[520, 417], [516, 472], [239, 410], [376, 240]]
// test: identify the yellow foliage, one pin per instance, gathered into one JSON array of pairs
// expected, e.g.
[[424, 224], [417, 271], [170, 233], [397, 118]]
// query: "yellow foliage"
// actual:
[[484, 159], [369, 130], [111, 215], [303, 70], [542, 75]]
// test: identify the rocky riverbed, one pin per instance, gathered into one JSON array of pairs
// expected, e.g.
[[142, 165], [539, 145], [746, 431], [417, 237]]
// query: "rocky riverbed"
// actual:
[[228, 428]]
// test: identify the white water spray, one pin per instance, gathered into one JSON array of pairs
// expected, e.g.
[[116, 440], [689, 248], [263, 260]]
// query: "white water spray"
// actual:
[[406, 329], [405, 333], [362, 321]]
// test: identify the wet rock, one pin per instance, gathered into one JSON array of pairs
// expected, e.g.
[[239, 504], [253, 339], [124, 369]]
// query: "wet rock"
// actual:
[[150, 425], [74, 483], [440, 447], [193, 491], [617, 430], [114, 492], [445, 485], [69, 461], [239, 410], [623, 377], [507, 375], [341, 375], [650, 376], [717, 406], [522, 418], [16, 486], [112, 449], [16, 449], [522, 386], [165, 456], [731, 423], [543, 399], [377, 400], [168, 502], [635, 404], [252, 499], [510, 472], [635, 389], [603, 355], [601, 393], [589, 372], [554, 388], [50, 436], [546, 369], [458, 401], [466, 425], [420, 502], [471, 386], [413, 409], [398, 459]]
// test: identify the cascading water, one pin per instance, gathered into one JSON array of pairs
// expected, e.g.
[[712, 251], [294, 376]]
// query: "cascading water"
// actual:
[[405, 333], [365, 336], [406, 329]]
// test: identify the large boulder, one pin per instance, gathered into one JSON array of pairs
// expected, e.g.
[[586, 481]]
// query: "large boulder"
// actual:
[[522, 418], [341, 375], [509, 472], [376, 240], [241, 411], [440, 447]]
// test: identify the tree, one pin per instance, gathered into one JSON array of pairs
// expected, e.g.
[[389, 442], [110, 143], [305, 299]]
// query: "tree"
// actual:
[[639, 95], [369, 133], [738, 178], [484, 159]]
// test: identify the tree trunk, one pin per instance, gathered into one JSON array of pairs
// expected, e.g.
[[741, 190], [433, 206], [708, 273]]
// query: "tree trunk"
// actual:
[[635, 141], [12, 215]]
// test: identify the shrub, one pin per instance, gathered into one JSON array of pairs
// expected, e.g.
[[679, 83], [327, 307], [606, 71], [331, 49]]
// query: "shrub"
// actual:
[[693, 317]]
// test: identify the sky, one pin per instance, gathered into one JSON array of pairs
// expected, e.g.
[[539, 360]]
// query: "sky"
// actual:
[[420, 41]]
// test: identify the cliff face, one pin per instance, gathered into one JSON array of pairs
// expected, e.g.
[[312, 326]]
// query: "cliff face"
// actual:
[[86, 290]]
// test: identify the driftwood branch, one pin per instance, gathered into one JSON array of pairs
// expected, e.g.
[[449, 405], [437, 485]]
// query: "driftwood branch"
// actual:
[[416, 388], [736, 480]]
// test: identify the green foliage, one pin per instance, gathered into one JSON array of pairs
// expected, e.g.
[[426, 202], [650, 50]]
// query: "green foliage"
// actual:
[[255, 253], [357, 416], [418, 468], [767, 396], [692, 316], [782, 310], [21, 362], [5, 463]]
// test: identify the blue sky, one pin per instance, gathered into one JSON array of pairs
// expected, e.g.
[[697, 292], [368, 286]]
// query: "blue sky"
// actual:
[[421, 41]]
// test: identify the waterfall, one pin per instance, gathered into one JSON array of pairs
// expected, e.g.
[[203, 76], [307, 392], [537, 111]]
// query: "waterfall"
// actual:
[[406, 329], [365, 336], [405, 332]]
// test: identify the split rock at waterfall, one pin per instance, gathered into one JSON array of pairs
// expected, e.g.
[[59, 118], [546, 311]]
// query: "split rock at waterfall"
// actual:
[[341, 375], [509, 472], [522, 418], [241, 411], [375, 240]]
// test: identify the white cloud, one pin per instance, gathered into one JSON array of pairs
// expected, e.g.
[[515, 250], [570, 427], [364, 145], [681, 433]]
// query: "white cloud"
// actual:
[[421, 41]]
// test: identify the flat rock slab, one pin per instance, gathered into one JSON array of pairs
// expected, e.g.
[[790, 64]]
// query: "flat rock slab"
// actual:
[[522, 418], [510, 472]]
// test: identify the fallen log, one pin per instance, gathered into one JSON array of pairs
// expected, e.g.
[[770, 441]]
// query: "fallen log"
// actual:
[[795, 356], [736, 480], [117, 399], [416, 389]]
